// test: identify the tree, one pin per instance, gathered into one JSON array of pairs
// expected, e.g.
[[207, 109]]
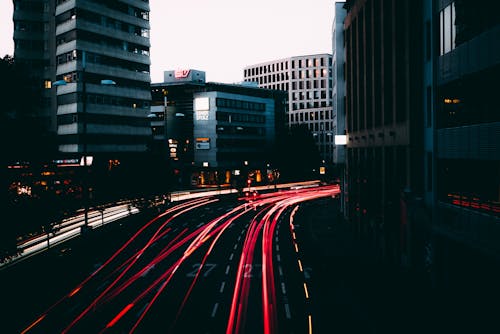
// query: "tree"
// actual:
[[296, 153]]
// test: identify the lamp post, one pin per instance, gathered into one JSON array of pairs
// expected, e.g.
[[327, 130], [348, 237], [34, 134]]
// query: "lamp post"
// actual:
[[86, 160]]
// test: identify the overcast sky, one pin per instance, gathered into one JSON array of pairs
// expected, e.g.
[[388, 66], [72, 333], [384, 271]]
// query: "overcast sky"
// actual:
[[221, 37]]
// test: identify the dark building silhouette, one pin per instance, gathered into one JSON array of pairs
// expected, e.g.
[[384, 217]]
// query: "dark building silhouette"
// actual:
[[383, 72], [423, 150], [462, 143]]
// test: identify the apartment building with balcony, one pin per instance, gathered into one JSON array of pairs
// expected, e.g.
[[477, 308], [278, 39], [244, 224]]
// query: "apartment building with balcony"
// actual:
[[85, 44]]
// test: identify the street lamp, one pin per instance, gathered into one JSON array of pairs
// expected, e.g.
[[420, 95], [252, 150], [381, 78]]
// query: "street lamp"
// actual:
[[86, 161]]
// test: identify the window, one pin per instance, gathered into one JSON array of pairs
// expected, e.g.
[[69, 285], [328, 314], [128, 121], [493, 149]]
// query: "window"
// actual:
[[429, 171], [428, 40], [429, 106], [447, 29]]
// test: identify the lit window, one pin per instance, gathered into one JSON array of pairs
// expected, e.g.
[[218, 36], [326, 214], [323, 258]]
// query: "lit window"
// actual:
[[48, 84], [447, 29]]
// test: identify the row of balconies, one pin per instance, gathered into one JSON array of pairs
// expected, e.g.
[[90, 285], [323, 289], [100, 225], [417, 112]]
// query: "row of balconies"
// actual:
[[102, 50], [93, 7], [109, 71], [98, 29], [132, 93]]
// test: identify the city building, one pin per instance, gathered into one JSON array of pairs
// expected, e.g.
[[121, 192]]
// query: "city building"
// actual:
[[383, 72], [214, 133], [92, 58], [462, 142], [34, 31], [338, 98], [308, 82]]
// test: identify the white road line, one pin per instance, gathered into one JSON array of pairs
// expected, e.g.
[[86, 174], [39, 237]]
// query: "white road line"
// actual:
[[227, 269], [235, 246], [278, 257], [222, 287], [283, 288], [215, 310], [239, 238], [280, 270], [277, 248], [231, 257], [287, 311]]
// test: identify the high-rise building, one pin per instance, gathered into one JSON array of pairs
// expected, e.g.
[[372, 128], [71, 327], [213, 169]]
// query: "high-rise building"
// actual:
[[462, 142], [100, 50], [34, 50], [308, 81], [338, 77], [338, 98], [383, 121]]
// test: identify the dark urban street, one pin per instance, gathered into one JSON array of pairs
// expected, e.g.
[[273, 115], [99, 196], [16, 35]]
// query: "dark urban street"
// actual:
[[249, 167]]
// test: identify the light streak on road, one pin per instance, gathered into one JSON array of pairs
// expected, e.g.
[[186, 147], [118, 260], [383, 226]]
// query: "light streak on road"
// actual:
[[143, 268]]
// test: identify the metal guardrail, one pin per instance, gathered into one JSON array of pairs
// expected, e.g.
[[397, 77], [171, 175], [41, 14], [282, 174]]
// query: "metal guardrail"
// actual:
[[72, 227]]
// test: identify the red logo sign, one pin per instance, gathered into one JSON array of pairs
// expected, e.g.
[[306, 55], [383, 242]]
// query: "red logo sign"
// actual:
[[181, 74]]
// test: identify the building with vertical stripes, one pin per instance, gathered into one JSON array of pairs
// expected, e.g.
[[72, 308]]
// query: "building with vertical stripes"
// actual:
[[383, 120]]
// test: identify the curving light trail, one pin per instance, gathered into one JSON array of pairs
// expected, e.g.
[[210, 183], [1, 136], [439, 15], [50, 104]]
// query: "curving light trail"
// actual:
[[161, 249]]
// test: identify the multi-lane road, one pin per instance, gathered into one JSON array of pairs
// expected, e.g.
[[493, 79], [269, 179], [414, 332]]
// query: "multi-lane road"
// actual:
[[202, 266]]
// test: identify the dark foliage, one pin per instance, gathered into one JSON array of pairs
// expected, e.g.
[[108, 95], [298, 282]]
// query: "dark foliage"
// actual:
[[297, 155]]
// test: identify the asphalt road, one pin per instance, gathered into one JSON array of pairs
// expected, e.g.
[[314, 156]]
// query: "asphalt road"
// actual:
[[202, 266]]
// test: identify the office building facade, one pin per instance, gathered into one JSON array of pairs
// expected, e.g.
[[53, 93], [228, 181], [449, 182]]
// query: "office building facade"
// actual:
[[338, 79], [462, 142], [217, 134], [89, 45], [383, 123], [308, 82]]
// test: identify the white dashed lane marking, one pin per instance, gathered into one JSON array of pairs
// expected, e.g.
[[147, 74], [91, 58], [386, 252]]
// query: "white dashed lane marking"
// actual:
[[215, 310]]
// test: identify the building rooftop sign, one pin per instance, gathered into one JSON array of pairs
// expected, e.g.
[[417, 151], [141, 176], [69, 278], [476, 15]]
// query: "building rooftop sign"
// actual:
[[181, 74]]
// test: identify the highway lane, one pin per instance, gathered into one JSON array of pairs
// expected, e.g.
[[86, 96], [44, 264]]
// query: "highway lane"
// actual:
[[199, 266]]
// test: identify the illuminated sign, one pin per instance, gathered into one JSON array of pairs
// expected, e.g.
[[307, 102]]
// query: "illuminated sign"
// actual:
[[202, 115], [202, 139], [201, 108], [181, 74], [202, 143], [86, 160], [201, 103], [340, 139]]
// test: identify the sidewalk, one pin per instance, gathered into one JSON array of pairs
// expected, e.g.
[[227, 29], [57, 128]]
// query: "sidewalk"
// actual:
[[356, 294]]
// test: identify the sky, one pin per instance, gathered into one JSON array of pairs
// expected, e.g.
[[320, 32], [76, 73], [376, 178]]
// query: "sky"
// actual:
[[221, 37]]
